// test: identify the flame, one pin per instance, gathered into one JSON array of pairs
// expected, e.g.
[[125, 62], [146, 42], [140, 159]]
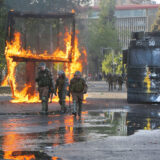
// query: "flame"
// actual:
[[55, 158], [14, 49], [9, 155], [73, 11], [148, 127], [71, 68], [147, 80]]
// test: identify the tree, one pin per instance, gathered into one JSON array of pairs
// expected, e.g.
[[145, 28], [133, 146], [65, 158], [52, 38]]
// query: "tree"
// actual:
[[102, 34], [107, 63], [112, 64], [156, 25], [44, 6], [3, 15]]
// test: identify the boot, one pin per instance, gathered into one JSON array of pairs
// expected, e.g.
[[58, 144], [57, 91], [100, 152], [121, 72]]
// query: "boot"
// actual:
[[74, 108], [63, 107], [44, 105], [79, 108], [44, 108]]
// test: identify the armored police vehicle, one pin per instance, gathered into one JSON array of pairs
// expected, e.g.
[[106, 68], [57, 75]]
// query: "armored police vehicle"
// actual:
[[143, 68]]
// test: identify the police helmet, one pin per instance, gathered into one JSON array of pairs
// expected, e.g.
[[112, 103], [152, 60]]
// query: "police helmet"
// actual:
[[61, 73], [42, 64], [77, 73]]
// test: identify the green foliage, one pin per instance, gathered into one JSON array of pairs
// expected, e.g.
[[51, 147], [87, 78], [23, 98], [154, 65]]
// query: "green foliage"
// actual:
[[3, 18], [118, 62], [112, 63], [43, 6], [102, 34], [107, 63], [107, 11], [156, 25]]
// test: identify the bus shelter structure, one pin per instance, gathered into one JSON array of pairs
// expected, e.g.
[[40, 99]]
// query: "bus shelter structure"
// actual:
[[56, 19]]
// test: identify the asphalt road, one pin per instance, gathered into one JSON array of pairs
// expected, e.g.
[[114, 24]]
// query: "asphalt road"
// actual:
[[110, 129]]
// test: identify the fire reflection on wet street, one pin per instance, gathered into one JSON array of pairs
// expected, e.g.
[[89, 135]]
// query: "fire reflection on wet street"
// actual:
[[26, 155], [31, 136]]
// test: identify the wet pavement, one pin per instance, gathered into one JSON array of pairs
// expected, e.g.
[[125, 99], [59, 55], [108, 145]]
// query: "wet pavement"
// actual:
[[105, 130], [41, 134]]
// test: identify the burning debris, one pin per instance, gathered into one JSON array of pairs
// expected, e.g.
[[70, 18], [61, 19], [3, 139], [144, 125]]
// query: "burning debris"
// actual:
[[15, 53]]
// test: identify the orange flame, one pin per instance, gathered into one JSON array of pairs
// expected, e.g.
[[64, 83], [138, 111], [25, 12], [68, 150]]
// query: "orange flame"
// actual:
[[15, 49], [71, 68], [73, 11], [8, 155]]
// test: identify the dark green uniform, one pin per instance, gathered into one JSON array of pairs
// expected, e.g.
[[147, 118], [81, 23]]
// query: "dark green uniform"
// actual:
[[45, 86], [120, 82], [77, 87], [109, 79], [61, 84], [114, 81]]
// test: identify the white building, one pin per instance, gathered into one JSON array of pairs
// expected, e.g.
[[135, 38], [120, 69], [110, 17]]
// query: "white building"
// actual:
[[134, 18]]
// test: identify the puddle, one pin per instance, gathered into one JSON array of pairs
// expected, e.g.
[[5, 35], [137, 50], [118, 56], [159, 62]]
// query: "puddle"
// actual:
[[43, 133]]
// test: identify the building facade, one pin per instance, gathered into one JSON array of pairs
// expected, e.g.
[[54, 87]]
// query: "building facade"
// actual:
[[130, 16], [134, 18], [127, 2]]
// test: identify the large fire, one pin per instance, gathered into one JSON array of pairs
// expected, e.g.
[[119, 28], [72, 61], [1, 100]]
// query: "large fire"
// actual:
[[14, 49]]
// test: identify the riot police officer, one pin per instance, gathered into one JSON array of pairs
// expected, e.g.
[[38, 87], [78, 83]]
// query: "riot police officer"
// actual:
[[77, 88], [61, 85], [120, 82], [45, 85], [109, 79]]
